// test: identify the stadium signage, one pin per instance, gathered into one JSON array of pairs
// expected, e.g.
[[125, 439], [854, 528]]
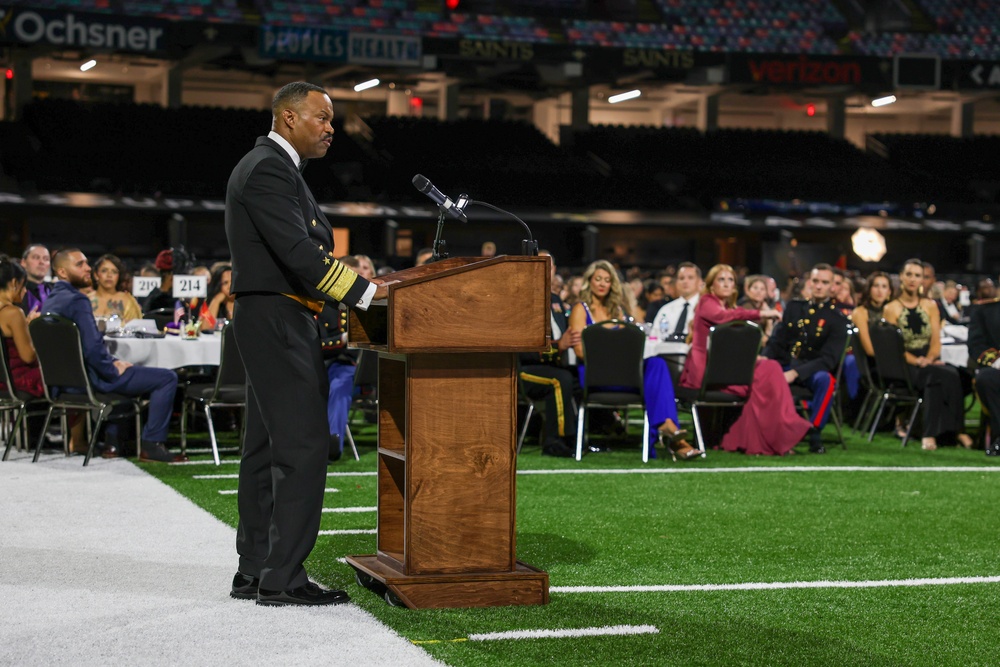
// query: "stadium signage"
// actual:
[[80, 30], [368, 49], [658, 58], [292, 43], [985, 76], [806, 71], [475, 48]]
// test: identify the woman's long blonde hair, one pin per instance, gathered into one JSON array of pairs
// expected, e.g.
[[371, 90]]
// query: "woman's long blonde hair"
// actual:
[[615, 301]]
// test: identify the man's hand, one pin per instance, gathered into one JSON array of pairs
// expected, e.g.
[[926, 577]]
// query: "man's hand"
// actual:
[[122, 366], [568, 340], [791, 376], [382, 289]]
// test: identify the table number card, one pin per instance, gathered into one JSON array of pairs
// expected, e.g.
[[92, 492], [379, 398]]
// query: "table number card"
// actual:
[[186, 287], [143, 285]]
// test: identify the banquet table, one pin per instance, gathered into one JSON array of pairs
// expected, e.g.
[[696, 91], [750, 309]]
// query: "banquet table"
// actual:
[[169, 352]]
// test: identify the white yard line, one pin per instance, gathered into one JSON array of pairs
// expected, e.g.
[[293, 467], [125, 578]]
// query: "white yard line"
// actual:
[[350, 531], [329, 474], [338, 510], [693, 470], [777, 585]]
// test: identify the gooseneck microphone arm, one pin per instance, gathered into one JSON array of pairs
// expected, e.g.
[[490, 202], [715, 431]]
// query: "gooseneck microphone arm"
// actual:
[[529, 246]]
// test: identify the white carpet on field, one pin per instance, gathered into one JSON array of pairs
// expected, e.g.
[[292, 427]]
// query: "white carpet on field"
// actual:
[[106, 565]]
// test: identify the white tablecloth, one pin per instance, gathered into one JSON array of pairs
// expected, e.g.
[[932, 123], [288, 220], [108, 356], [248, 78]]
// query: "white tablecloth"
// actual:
[[169, 352], [956, 354]]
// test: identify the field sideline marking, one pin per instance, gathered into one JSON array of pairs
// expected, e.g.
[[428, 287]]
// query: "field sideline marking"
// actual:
[[233, 492], [687, 471], [350, 531], [776, 585], [329, 474], [607, 630], [350, 509]]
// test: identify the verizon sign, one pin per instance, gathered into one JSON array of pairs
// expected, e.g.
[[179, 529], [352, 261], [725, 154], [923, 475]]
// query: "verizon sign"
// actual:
[[803, 70]]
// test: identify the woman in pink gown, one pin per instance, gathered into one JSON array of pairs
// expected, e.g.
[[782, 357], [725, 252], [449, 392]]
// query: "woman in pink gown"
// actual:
[[769, 423]]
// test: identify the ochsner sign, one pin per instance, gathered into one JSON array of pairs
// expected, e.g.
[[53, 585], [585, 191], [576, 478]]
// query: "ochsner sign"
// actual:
[[27, 26]]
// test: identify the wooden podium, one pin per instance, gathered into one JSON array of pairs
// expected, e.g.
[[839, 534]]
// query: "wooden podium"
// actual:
[[446, 339]]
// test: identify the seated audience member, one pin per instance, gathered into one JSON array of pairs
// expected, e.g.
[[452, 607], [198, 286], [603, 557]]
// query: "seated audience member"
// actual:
[[986, 291], [220, 301], [424, 255], [340, 362], [108, 374], [603, 298], [35, 262], [571, 293], [547, 376], [768, 423], [162, 296], [755, 297], [109, 296], [948, 304], [366, 267], [669, 334], [877, 293], [917, 317], [20, 351], [984, 353], [928, 282], [808, 343]]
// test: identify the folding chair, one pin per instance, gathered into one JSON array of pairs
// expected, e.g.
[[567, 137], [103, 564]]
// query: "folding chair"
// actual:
[[894, 375], [228, 391], [612, 375], [67, 385], [365, 376], [732, 356], [19, 402], [870, 400]]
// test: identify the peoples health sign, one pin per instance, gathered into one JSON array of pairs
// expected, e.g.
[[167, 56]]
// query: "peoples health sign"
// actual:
[[325, 45]]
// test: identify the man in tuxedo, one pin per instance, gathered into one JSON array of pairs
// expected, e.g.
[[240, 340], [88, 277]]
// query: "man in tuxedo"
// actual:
[[284, 271], [808, 343], [984, 354], [106, 373]]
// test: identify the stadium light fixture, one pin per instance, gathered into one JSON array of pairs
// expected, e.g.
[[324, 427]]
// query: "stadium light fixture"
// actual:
[[882, 101], [365, 85], [868, 244], [90, 64], [621, 97]]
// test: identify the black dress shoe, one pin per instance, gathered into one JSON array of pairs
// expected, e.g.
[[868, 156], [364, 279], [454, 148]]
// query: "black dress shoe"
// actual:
[[335, 447], [993, 449], [244, 587], [309, 594]]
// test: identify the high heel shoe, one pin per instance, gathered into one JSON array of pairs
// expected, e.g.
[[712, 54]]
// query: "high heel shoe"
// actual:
[[678, 447]]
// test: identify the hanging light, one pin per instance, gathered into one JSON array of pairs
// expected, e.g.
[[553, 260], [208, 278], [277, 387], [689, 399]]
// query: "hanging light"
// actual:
[[90, 64], [621, 97], [365, 85], [882, 101], [868, 244]]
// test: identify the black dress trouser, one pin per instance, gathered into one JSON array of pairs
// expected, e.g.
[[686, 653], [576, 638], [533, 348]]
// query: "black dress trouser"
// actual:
[[944, 405], [286, 441], [988, 388]]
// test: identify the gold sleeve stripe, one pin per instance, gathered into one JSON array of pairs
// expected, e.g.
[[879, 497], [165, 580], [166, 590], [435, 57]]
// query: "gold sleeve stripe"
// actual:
[[331, 276], [338, 281]]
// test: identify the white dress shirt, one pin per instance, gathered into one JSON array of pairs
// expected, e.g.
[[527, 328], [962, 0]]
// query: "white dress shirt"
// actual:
[[659, 339]]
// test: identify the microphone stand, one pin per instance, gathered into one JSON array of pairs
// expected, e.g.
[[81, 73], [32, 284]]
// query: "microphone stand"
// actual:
[[440, 245]]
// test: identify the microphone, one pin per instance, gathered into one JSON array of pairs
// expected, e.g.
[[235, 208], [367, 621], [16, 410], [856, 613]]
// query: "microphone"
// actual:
[[446, 205]]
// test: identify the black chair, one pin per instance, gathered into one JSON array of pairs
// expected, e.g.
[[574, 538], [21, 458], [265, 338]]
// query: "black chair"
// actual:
[[20, 403], [228, 391], [801, 393], [612, 375], [162, 317], [366, 380], [60, 357], [895, 385], [732, 355], [868, 382]]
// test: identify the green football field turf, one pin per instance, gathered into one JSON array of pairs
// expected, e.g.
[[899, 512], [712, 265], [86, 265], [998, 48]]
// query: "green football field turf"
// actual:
[[698, 536]]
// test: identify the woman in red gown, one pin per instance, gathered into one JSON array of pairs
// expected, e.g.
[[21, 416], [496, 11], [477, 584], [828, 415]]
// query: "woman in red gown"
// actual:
[[769, 423]]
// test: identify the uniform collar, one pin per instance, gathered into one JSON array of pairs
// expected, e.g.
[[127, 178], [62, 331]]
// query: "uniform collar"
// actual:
[[281, 141]]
